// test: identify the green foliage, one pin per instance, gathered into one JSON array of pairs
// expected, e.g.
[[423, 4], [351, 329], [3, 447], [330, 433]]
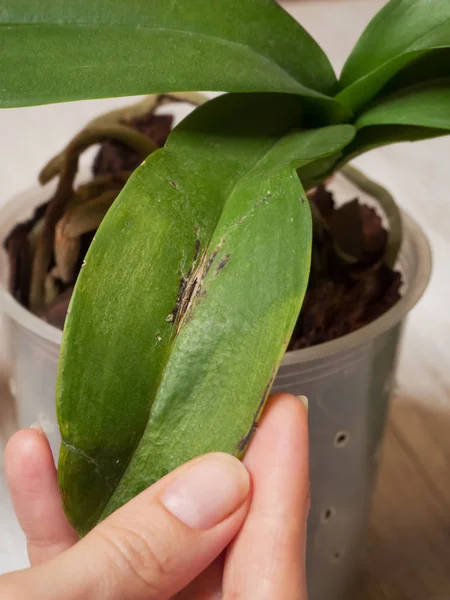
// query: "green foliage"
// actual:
[[401, 33], [195, 278], [427, 106], [54, 50], [222, 309]]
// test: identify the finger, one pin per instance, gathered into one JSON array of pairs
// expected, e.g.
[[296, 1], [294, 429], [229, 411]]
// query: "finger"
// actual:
[[32, 482], [155, 545], [267, 559], [207, 586]]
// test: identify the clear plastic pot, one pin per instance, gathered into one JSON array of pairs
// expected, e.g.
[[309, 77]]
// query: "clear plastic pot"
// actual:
[[348, 381], [32, 345]]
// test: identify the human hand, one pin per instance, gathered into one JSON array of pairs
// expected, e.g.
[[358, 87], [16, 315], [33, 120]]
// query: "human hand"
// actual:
[[211, 529]]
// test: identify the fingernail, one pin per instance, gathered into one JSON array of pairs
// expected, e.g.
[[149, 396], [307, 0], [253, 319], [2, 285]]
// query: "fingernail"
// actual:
[[305, 401], [36, 426], [208, 491]]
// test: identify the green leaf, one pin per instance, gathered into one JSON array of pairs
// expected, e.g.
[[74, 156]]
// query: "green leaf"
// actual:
[[184, 308], [370, 138], [315, 172], [54, 50], [402, 32], [420, 106], [431, 66], [366, 139]]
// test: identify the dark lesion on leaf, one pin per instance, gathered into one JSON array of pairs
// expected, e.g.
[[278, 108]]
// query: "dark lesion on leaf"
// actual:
[[200, 293], [210, 262], [242, 446], [197, 249], [172, 316], [191, 287], [245, 441], [173, 184], [222, 263], [185, 288], [262, 200]]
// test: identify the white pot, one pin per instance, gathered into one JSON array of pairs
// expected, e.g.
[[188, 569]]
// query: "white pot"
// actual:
[[32, 345]]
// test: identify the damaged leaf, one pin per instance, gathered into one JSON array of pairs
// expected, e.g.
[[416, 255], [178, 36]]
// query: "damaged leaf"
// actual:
[[174, 352]]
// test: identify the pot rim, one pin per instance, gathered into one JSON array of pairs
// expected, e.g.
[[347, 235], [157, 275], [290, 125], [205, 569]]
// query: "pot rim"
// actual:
[[36, 195]]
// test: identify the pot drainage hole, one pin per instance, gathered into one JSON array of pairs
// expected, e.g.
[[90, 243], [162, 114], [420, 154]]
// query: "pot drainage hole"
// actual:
[[328, 514], [341, 439]]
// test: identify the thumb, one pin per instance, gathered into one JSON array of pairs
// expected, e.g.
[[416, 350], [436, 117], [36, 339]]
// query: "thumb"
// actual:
[[156, 544]]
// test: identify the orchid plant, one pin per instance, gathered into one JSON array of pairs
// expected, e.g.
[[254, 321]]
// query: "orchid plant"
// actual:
[[194, 280]]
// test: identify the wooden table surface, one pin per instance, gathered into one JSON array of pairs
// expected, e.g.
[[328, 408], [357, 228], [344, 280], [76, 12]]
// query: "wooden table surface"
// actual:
[[407, 548], [407, 553]]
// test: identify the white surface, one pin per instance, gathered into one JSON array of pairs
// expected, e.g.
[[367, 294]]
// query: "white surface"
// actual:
[[13, 553], [417, 174]]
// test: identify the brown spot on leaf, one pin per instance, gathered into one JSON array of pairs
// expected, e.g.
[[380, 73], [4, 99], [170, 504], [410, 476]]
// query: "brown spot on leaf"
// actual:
[[247, 438], [222, 263], [210, 262], [244, 442], [197, 249], [191, 289]]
